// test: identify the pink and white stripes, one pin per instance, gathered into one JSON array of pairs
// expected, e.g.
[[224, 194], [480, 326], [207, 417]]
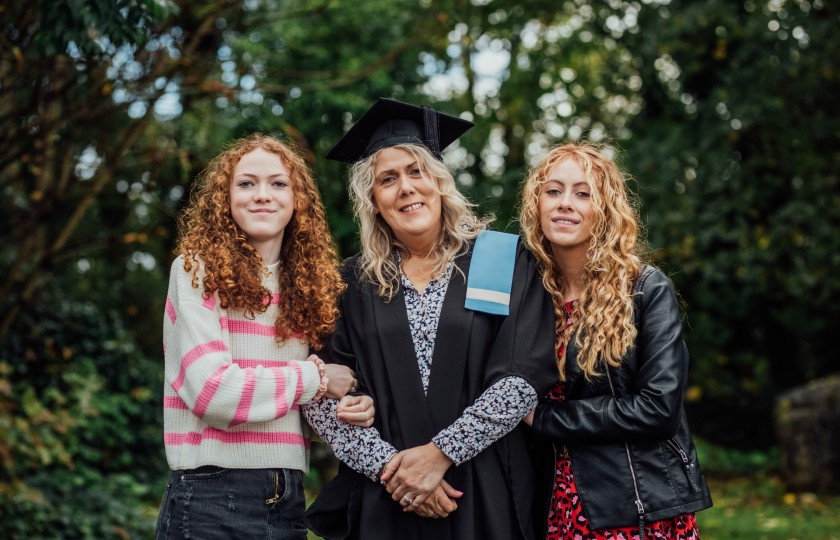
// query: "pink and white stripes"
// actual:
[[231, 393]]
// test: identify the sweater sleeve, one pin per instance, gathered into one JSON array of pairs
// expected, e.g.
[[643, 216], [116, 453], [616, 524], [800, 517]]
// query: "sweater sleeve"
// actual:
[[199, 365]]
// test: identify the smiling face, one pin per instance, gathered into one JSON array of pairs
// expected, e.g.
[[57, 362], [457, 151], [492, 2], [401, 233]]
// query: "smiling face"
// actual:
[[262, 200], [566, 211], [406, 198]]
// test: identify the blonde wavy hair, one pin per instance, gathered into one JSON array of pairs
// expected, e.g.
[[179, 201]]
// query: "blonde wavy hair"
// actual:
[[460, 222], [213, 245], [604, 312]]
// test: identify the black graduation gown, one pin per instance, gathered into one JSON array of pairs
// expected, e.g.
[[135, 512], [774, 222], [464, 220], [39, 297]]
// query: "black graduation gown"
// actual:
[[472, 351]]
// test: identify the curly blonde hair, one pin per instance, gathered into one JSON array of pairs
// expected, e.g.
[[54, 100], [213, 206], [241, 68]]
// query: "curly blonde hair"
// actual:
[[214, 246], [604, 312], [460, 222]]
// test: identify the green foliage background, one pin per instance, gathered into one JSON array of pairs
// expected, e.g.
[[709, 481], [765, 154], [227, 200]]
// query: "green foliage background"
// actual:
[[725, 113]]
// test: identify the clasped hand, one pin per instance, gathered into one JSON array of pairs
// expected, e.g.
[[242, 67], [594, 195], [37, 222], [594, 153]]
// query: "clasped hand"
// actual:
[[354, 410], [414, 478], [341, 380]]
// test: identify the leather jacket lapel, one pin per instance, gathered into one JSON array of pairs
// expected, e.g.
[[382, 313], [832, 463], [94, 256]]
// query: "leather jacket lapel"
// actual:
[[573, 372]]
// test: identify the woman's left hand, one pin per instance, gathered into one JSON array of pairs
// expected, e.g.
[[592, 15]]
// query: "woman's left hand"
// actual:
[[418, 473], [356, 410]]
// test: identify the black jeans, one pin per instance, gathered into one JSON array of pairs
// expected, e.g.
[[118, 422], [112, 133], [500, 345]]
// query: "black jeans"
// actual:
[[217, 503]]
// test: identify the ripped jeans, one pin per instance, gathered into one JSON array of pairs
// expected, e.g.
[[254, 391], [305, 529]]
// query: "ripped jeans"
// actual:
[[217, 503]]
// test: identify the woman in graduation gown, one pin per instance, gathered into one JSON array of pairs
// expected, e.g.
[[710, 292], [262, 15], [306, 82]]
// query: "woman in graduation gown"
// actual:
[[448, 327]]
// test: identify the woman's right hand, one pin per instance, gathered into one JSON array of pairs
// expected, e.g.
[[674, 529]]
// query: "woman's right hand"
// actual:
[[529, 418], [340, 381]]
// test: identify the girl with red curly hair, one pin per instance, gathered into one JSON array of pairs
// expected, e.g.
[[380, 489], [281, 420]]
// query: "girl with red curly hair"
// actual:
[[254, 289]]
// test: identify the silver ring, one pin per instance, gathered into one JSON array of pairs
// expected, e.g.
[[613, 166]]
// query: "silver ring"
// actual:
[[431, 514], [408, 499]]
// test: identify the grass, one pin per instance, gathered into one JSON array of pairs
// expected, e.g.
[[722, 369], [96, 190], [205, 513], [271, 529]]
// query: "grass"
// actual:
[[759, 508], [751, 502]]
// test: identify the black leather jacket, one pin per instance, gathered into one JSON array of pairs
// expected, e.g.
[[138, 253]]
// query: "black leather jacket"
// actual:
[[626, 433]]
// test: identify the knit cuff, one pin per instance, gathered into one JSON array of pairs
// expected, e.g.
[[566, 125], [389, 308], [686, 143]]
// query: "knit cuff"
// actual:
[[322, 369]]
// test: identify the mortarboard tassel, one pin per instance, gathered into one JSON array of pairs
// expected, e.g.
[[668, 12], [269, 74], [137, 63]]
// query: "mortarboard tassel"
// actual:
[[430, 129]]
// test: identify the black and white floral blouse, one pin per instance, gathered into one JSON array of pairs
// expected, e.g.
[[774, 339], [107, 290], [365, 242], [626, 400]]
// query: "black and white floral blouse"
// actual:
[[494, 413]]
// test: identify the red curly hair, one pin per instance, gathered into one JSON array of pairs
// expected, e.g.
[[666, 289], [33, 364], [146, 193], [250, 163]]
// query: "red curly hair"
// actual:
[[213, 244]]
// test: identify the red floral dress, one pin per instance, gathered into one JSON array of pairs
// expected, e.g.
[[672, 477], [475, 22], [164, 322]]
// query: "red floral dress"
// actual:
[[566, 518]]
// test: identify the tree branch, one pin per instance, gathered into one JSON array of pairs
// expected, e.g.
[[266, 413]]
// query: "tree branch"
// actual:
[[348, 78], [41, 260]]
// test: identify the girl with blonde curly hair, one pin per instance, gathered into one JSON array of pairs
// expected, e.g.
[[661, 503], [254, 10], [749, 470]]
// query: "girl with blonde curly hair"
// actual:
[[253, 291], [617, 456]]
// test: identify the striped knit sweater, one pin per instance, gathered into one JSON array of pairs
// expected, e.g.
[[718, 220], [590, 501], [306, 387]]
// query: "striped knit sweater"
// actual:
[[231, 393]]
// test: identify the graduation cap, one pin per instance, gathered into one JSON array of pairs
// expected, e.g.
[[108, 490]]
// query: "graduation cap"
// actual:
[[390, 122]]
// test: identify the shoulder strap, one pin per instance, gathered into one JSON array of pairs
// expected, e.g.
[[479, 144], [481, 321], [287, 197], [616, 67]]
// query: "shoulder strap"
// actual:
[[490, 277]]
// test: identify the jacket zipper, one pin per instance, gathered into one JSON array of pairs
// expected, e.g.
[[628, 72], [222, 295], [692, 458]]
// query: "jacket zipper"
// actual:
[[686, 463], [639, 506]]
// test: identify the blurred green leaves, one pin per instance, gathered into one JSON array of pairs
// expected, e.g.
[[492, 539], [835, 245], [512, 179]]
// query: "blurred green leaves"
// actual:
[[724, 114], [94, 28]]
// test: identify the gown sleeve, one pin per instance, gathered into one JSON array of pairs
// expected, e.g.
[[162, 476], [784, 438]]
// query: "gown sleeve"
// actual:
[[495, 413], [362, 449], [524, 342], [520, 368]]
